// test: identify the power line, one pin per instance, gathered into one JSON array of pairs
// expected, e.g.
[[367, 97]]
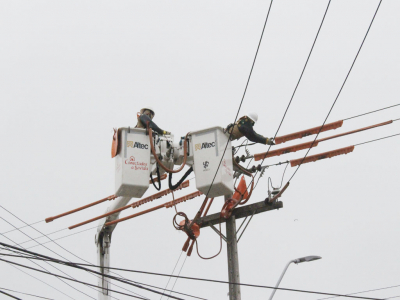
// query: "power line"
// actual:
[[386, 137], [341, 88], [179, 273], [40, 280], [46, 262], [371, 112], [11, 296], [77, 265], [38, 256], [71, 279], [169, 279], [23, 227], [1, 288], [59, 246], [385, 288], [244, 93], [301, 76]]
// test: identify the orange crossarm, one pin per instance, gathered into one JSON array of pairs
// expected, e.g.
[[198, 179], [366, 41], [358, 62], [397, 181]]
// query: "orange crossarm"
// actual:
[[320, 156], [133, 205], [307, 132], [112, 197], [285, 150], [166, 205]]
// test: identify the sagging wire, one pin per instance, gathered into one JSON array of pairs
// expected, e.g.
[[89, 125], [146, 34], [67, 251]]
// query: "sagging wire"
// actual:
[[169, 278], [341, 88]]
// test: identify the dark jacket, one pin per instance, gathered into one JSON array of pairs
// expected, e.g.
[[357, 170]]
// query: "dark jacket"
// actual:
[[143, 120], [244, 127]]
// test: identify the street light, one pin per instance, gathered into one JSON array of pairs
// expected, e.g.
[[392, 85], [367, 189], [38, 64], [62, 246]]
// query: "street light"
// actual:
[[296, 261]]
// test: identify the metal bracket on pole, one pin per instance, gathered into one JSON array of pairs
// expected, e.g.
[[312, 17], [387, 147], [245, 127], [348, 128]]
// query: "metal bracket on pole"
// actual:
[[218, 232]]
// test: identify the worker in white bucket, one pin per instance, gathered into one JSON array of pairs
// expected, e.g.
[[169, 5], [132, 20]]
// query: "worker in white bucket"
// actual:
[[244, 127], [145, 117]]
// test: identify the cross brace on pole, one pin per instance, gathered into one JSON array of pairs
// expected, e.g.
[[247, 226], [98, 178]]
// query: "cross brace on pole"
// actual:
[[231, 238]]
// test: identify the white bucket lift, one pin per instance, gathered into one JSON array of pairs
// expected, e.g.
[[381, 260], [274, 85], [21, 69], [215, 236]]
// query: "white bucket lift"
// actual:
[[207, 147], [132, 163]]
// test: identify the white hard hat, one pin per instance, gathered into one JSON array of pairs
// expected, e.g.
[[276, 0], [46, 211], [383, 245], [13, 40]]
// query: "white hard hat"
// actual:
[[253, 116], [147, 108]]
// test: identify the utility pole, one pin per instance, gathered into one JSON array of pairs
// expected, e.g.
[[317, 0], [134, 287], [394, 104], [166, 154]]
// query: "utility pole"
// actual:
[[231, 237], [233, 259]]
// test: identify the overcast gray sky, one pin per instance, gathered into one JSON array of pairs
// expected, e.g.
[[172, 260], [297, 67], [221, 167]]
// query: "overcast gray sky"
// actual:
[[73, 70]]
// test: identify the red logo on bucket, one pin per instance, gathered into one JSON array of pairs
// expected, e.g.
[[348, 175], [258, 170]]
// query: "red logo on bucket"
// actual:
[[135, 165], [227, 169]]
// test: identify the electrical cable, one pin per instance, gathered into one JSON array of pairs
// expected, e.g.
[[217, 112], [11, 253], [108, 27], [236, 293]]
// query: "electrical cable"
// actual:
[[22, 227], [377, 139], [69, 264], [40, 280], [244, 93], [77, 265], [385, 288], [39, 237], [68, 235], [38, 256], [371, 112], [179, 273], [340, 90], [57, 245], [71, 279], [1, 288], [46, 262], [172, 273], [11, 296], [295, 89]]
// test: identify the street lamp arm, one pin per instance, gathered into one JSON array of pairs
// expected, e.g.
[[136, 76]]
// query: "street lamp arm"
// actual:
[[280, 278]]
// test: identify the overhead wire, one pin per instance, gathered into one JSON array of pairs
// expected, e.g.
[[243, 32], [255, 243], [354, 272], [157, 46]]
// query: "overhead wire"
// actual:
[[11, 296], [40, 280], [340, 90], [379, 289], [37, 256], [70, 279], [173, 270], [23, 227], [293, 94], [371, 112], [179, 273], [386, 137], [244, 93], [1, 288], [60, 247], [77, 265], [45, 262]]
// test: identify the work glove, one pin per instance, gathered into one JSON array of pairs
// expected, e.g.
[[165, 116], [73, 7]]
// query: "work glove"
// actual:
[[270, 141]]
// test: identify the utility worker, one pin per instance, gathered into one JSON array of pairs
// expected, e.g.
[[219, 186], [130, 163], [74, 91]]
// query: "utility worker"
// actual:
[[244, 127], [145, 117]]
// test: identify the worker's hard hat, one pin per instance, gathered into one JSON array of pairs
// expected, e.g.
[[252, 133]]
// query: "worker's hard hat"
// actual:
[[148, 108], [253, 116]]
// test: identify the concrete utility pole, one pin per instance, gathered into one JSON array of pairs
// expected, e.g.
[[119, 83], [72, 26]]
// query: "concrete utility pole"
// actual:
[[231, 238], [233, 259]]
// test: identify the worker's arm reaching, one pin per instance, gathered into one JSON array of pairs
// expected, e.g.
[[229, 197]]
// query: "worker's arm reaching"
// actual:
[[253, 136], [244, 127], [145, 119]]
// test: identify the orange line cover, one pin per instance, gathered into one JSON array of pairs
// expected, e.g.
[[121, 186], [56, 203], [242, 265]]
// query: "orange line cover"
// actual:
[[307, 132], [285, 150], [320, 156]]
